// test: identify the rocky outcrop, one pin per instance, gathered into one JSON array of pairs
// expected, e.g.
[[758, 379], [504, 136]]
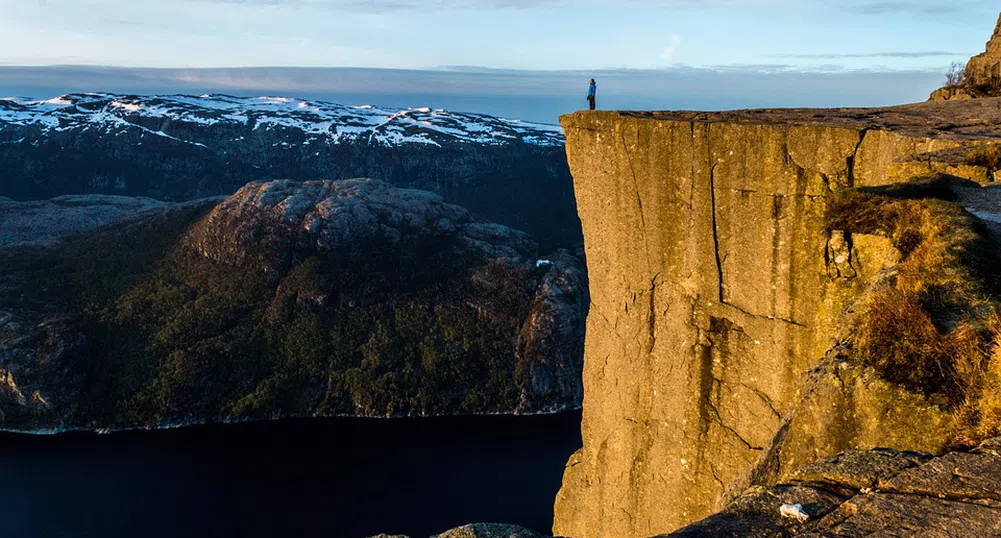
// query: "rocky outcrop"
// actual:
[[314, 298], [551, 341], [843, 406], [264, 223], [489, 530], [872, 493], [43, 365], [981, 77], [180, 148], [984, 69], [44, 221], [480, 530], [715, 288], [853, 494], [265, 220]]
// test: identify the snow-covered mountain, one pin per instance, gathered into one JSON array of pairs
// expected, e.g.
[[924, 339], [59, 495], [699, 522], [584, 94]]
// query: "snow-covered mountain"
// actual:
[[177, 147], [331, 123]]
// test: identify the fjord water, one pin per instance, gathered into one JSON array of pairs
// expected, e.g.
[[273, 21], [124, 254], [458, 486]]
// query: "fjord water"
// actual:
[[304, 477]]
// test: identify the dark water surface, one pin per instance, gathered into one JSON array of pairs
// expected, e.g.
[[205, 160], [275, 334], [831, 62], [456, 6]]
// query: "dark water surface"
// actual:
[[331, 478]]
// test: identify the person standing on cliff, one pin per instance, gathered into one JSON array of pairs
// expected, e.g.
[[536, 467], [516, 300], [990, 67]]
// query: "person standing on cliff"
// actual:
[[591, 92]]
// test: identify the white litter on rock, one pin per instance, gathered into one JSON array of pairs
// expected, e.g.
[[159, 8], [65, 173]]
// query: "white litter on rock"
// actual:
[[794, 511]]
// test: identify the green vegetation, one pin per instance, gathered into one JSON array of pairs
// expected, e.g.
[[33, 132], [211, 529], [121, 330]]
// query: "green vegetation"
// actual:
[[416, 328], [932, 326]]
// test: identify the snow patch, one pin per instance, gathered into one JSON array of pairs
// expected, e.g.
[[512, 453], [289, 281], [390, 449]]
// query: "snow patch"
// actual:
[[320, 121], [59, 102], [131, 107]]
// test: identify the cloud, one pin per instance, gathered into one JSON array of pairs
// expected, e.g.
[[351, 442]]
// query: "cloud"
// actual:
[[864, 7], [437, 5], [840, 56], [398, 5], [922, 8], [669, 52]]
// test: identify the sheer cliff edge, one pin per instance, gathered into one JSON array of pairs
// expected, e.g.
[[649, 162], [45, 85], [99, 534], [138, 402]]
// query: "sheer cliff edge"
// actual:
[[722, 347]]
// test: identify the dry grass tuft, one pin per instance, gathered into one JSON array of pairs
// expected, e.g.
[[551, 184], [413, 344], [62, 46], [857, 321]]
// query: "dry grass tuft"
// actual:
[[897, 337], [933, 327], [979, 415], [988, 156]]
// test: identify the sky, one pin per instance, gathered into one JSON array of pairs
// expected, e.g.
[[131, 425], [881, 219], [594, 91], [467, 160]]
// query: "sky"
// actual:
[[526, 59], [813, 35]]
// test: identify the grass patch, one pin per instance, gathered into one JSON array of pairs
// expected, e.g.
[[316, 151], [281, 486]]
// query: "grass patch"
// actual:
[[980, 413], [988, 157], [932, 324]]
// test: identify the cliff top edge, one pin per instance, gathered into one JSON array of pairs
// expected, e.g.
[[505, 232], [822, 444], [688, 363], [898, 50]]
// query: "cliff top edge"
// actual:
[[978, 119]]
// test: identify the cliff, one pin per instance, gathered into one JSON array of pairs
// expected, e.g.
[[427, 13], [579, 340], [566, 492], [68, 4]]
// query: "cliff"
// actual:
[[728, 293], [854, 494], [981, 76], [316, 298]]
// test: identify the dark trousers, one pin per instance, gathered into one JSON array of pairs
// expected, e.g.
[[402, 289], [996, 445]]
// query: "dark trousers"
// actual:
[[590, 99]]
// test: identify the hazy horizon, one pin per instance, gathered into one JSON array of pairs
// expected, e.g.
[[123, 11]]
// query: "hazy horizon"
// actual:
[[523, 94], [527, 59]]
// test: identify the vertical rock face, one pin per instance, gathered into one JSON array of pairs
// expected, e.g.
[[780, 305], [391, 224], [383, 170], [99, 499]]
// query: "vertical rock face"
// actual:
[[985, 69], [42, 366], [982, 76], [714, 287], [551, 341]]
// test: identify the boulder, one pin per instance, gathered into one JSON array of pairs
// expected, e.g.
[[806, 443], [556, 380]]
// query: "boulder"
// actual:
[[489, 530], [479, 530]]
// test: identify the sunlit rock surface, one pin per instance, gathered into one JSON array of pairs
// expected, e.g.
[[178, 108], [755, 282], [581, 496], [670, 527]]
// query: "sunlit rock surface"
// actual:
[[715, 288]]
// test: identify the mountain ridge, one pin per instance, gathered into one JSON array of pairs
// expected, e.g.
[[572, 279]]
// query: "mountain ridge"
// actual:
[[340, 123], [178, 147]]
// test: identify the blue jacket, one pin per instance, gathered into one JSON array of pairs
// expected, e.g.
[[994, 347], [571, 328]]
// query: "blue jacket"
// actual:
[[592, 90]]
